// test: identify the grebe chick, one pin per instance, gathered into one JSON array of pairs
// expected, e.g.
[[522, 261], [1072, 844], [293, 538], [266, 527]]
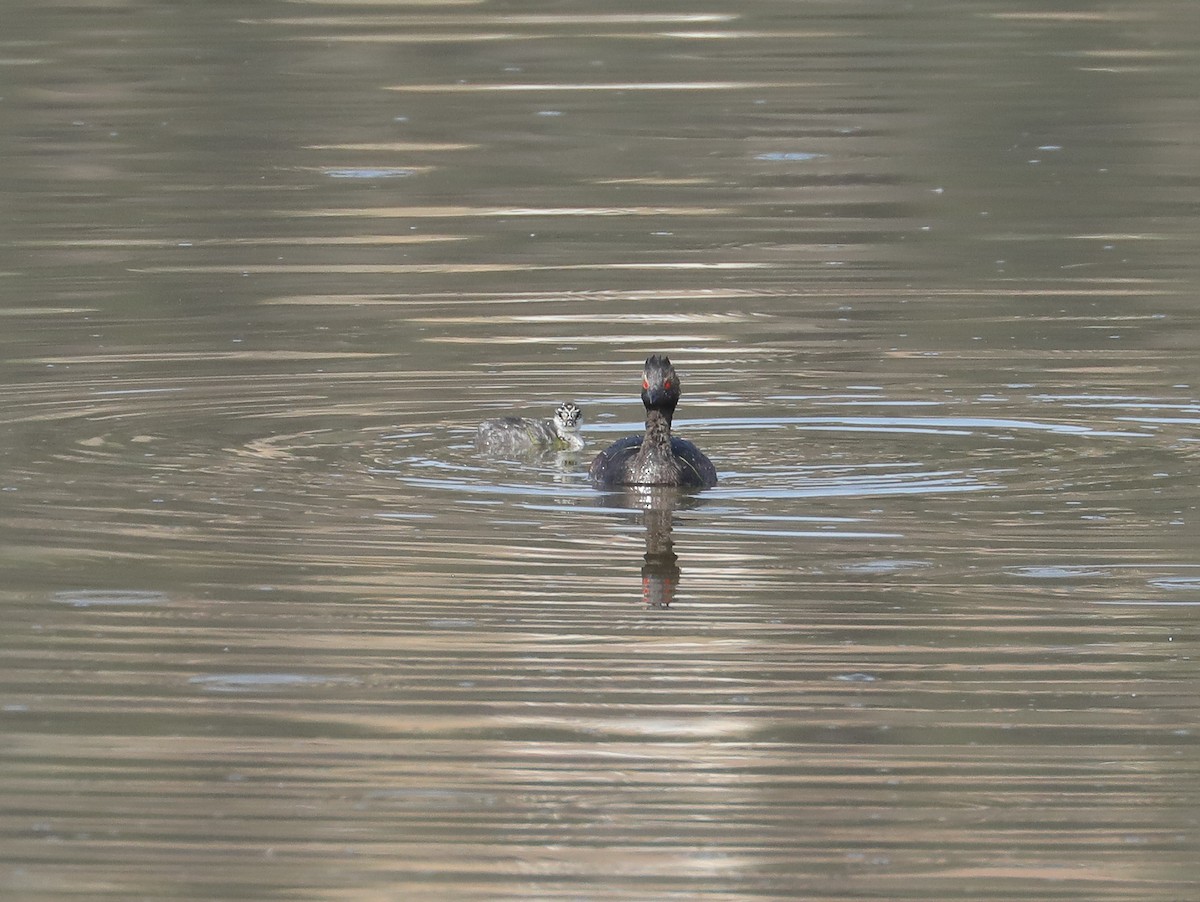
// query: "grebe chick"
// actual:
[[656, 458], [520, 434]]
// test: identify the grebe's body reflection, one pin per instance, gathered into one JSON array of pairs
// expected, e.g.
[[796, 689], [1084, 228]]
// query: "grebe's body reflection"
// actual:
[[657, 506], [660, 572]]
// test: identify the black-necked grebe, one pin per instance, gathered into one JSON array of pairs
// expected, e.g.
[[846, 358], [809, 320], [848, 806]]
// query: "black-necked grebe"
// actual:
[[656, 458], [518, 434]]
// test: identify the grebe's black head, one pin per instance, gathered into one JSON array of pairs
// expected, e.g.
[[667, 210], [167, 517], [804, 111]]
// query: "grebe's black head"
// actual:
[[660, 384]]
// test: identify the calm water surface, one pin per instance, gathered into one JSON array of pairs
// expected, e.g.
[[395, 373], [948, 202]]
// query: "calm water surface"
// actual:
[[274, 630]]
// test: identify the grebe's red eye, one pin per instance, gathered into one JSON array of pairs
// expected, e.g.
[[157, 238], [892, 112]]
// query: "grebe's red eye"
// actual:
[[645, 383], [667, 384]]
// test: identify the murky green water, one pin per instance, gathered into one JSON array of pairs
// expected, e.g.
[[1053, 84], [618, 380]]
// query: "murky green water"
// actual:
[[274, 630]]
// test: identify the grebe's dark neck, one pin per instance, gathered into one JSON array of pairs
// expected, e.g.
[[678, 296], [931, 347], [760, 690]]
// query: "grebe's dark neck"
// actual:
[[660, 412], [655, 462], [658, 420]]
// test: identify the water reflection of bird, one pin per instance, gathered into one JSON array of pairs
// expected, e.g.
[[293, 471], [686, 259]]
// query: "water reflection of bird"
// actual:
[[522, 435], [657, 457], [660, 570], [660, 565]]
